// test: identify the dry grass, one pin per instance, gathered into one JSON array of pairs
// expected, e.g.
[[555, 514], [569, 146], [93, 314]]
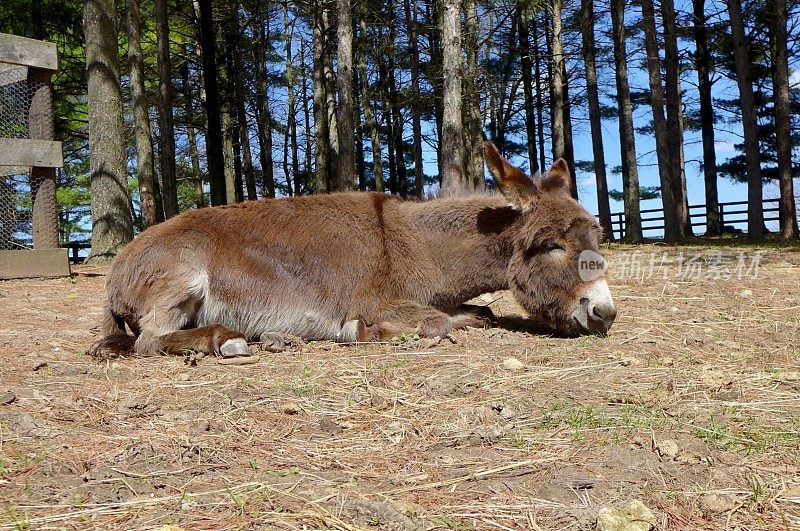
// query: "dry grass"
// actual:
[[690, 405]]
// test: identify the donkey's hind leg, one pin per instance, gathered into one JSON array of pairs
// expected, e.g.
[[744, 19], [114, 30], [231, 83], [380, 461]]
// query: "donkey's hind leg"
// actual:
[[211, 339]]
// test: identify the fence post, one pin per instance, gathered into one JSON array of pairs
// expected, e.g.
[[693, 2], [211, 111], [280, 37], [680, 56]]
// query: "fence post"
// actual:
[[43, 180], [721, 216]]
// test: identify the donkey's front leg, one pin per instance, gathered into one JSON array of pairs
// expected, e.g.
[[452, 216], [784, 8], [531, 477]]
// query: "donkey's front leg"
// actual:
[[399, 317], [472, 315]]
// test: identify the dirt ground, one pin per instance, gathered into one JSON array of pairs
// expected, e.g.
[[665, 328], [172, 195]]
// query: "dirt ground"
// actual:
[[690, 405]]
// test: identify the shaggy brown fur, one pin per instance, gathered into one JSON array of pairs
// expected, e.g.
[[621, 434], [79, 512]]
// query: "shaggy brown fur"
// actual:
[[349, 266]]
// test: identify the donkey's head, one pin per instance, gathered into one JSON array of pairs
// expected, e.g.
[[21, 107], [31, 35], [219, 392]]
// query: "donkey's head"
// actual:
[[556, 271]]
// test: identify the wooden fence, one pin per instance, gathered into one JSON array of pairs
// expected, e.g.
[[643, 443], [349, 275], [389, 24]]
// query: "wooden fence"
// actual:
[[28, 158], [730, 214]]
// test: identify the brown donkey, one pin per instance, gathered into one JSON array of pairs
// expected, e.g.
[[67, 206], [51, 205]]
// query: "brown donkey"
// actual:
[[357, 267]]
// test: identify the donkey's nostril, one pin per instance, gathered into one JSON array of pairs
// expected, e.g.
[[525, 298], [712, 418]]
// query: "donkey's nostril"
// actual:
[[603, 312]]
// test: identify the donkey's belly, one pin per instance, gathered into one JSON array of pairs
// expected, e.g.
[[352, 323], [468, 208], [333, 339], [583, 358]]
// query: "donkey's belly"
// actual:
[[252, 319]]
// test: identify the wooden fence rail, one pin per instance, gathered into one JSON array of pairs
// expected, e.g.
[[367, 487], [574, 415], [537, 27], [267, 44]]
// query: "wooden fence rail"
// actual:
[[731, 213]]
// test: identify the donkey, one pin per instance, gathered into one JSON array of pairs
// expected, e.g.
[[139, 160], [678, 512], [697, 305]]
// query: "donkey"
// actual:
[[358, 266]]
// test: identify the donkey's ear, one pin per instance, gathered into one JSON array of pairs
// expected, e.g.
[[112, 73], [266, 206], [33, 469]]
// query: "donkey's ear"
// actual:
[[557, 177], [515, 186]]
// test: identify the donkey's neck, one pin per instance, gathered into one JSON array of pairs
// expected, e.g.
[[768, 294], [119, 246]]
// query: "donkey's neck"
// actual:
[[470, 241]]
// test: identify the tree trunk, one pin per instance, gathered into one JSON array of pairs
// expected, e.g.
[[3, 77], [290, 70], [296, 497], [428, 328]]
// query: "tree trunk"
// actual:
[[233, 129], [112, 220], [755, 208], [702, 65], [780, 83], [321, 124], [240, 93], [416, 122], [166, 122], [524, 13], [557, 84], [369, 115], [330, 99], [232, 188], [454, 177], [194, 153], [562, 122], [247, 157], [286, 171], [344, 88], [307, 172], [433, 12], [473, 137], [386, 115], [537, 75], [396, 140], [292, 101], [569, 148], [592, 94], [663, 150], [215, 159], [630, 172], [150, 209], [359, 125], [389, 126], [263, 113], [675, 118]]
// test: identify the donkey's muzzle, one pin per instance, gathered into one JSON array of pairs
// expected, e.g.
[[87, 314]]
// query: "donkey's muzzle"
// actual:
[[596, 312]]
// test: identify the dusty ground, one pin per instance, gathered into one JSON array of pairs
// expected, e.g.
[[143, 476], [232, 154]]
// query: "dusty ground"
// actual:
[[690, 405]]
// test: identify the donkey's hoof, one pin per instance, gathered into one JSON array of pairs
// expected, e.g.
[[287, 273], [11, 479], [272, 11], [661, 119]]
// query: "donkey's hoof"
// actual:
[[235, 347], [272, 342], [350, 332]]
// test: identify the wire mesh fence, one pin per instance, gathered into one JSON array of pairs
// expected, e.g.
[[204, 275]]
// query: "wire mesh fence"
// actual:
[[26, 193]]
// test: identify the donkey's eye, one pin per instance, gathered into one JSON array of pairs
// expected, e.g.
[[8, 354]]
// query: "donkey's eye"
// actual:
[[552, 246]]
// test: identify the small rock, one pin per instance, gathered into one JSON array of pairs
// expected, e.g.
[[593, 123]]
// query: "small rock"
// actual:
[[583, 483], [271, 342], [378, 402], [290, 408], [133, 408], [184, 377], [7, 398], [716, 378], [329, 426], [39, 364], [357, 395], [712, 504], [674, 309], [513, 364], [667, 362], [668, 449], [746, 293], [395, 431], [627, 362], [508, 413], [633, 517], [25, 425]]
